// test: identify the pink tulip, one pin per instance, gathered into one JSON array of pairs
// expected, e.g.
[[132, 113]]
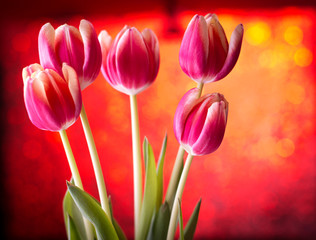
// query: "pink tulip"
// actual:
[[199, 123], [130, 63], [52, 102], [80, 49], [205, 55]]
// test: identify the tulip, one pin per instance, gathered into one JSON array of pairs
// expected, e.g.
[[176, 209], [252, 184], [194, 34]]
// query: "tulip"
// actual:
[[80, 49], [130, 63], [52, 102], [199, 123], [205, 55]]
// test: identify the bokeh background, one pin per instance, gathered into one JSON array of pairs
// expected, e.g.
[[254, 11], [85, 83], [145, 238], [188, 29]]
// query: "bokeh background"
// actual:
[[260, 184]]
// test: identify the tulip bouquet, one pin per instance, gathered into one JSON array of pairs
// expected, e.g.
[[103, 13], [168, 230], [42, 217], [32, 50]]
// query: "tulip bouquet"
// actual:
[[71, 59]]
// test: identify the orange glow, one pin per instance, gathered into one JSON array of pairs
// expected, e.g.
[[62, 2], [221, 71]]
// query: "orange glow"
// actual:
[[285, 147], [293, 35], [258, 33], [303, 57]]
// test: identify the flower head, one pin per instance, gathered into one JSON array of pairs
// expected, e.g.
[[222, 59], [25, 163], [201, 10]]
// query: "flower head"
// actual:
[[205, 55], [80, 49], [52, 102], [199, 123], [130, 63]]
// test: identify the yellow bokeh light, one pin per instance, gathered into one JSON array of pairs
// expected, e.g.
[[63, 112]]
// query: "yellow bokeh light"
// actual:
[[293, 35], [258, 33], [303, 57], [294, 93], [285, 147]]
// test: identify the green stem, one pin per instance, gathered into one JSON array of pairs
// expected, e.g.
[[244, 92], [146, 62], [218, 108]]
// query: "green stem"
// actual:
[[176, 171], [200, 87], [76, 176], [95, 162], [137, 167], [175, 208], [71, 159]]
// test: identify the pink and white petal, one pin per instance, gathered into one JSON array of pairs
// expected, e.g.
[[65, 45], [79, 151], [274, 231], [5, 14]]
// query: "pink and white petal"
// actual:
[[46, 48], [213, 130], [132, 60], [233, 52], [217, 54], [105, 42], [219, 31], [151, 40], [69, 48], [108, 68], [194, 48], [60, 99], [185, 106], [92, 53], [31, 106], [74, 87], [200, 112], [29, 70], [45, 99]]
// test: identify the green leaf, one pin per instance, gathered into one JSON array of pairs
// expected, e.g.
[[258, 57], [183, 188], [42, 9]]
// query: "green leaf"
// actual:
[[72, 232], [118, 229], [160, 226], [180, 222], [150, 235], [150, 193], [191, 225], [70, 209], [160, 173], [91, 210]]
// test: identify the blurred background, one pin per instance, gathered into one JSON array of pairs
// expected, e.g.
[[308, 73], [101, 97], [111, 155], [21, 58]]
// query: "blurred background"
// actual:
[[261, 182]]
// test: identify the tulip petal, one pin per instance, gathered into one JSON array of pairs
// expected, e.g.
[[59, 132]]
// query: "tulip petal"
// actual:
[[233, 52], [185, 106], [74, 87], [46, 48], [132, 61], [69, 48], [60, 98], [41, 95], [151, 40], [194, 48], [29, 70], [92, 53], [30, 104], [212, 19], [105, 42], [213, 130], [109, 68], [198, 119], [217, 49]]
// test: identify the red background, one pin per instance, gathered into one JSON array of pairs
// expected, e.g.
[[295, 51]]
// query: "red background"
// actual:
[[261, 183]]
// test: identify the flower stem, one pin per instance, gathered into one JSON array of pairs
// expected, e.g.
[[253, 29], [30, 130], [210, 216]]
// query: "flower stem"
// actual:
[[95, 162], [175, 209], [137, 167], [76, 176], [176, 171], [200, 87], [71, 159]]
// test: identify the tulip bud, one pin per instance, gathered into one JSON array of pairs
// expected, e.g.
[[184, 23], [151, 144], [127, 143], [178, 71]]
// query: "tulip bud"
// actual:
[[80, 49], [199, 123], [205, 55], [53, 103], [130, 63]]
